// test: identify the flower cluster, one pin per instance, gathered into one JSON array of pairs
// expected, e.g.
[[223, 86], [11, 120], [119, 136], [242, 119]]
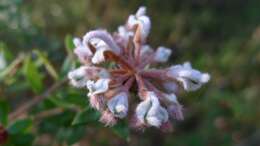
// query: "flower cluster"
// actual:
[[115, 64]]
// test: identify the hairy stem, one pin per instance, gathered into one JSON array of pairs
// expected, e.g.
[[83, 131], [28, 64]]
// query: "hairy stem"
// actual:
[[35, 100]]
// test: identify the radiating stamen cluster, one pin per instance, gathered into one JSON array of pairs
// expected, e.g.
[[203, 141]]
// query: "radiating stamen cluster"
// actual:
[[130, 59]]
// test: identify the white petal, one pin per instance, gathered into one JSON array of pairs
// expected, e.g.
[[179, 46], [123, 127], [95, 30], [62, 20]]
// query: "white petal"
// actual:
[[141, 11], [162, 54], [100, 86], [156, 114], [78, 77], [190, 78], [118, 105], [99, 56], [142, 109], [143, 21]]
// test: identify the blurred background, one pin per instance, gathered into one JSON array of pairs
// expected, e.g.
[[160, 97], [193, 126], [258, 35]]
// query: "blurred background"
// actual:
[[217, 36]]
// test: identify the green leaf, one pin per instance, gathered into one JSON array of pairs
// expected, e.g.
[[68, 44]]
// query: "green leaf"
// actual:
[[20, 126], [122, 130], [69, 44], [21, 139], [88, 115], [4, 109], [33, 75], [61, 103], [49, 67]]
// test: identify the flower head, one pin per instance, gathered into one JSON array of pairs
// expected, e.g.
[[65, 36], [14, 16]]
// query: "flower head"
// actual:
[[132, 68]]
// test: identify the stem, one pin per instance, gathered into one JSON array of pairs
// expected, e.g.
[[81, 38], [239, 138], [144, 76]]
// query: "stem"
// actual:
[[35, 100]]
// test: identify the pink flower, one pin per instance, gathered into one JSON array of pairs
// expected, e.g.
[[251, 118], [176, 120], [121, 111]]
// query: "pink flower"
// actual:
[[116, 66]]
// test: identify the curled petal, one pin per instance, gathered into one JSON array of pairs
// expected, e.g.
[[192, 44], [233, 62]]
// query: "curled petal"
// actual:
[[98, 87], [190, 78], [162, 54], [105, 37], [108, 118], [82, 51], [118, 105]]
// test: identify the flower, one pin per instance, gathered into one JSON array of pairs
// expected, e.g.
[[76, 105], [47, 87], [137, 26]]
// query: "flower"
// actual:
[[117, 65], [150, 111], [190, 78]]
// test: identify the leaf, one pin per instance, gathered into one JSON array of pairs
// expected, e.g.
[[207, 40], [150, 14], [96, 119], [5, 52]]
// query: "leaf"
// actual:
[[33, 75], [61, 103], [122, 130], [11, 67], [88, 115], [49, 67], [20, 126], [4, 109], [69, 44]]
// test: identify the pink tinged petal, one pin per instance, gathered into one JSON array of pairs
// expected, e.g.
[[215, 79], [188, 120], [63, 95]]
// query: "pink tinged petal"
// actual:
[[98, 87], [118, 105], [97, 102], [190, 78], [162, 54], [176, 111], [83, 52], [166, 127], [108, 118]]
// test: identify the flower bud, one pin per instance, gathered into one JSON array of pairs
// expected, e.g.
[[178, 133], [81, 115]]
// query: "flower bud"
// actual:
[[118, 105]]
